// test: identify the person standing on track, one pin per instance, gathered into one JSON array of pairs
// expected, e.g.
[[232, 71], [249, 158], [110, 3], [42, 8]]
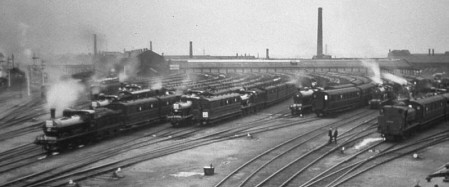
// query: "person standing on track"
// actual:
[[330, 135], [335, 135]]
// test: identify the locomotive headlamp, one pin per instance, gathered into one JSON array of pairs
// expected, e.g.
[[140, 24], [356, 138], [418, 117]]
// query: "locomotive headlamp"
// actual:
[[410, 106], [205, 114], [325, 97]]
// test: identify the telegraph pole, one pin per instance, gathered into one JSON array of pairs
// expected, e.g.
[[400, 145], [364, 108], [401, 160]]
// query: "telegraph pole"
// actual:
[[42, 71], [9, 72]]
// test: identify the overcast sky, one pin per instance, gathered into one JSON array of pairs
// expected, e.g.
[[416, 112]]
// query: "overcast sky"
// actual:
[[352, 28]]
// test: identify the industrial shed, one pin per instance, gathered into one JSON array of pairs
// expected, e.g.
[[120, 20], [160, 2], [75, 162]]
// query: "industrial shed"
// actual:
[[282, 65]]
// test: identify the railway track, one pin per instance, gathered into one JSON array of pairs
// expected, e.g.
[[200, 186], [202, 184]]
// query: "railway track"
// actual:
[[388, 155], [261, 166]]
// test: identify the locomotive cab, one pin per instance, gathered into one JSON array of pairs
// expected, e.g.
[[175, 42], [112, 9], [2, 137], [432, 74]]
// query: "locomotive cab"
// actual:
[[394, 120]]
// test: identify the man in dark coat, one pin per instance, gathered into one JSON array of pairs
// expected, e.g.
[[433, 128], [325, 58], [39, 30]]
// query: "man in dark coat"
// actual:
[[330, 135], [335, 135]]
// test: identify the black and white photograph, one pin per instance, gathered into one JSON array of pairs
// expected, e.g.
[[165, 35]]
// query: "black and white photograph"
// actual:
[[224, 93]]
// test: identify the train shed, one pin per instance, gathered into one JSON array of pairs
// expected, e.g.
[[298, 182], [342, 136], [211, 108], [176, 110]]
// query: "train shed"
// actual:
[[291, 65]]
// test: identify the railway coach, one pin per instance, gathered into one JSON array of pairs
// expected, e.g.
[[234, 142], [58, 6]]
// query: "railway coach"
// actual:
[[332, 101], [398, 121]]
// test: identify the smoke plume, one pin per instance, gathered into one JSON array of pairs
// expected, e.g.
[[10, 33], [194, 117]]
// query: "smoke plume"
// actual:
[[64, 94], [156, 83], [394, 78], [374, 72]]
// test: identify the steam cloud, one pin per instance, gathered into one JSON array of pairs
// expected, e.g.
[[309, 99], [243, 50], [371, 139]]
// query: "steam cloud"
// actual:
[[156, 84], [64, 94], [375, 70], [394, 78]]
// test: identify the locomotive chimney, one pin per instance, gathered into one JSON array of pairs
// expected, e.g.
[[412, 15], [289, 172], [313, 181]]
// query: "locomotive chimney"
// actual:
[[52, 113], [190, 50], [319, 51], [268, 54]]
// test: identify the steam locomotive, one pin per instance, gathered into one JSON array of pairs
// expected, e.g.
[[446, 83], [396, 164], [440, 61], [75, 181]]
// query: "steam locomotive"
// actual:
[[206, 109], [77, 127], [302, 101], [381, 95], [398, 121]]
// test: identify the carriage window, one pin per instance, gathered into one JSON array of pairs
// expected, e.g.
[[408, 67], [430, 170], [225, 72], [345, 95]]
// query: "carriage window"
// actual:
[[168, 103], [140, 108], [341, 96], [151, 106], [227, 101], [325, 97]]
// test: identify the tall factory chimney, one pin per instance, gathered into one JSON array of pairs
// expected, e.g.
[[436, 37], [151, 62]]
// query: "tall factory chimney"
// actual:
[[433, 52], [95, 44], [268, 54], [151, 46], [429, 51], [319, 50], [190, 50]]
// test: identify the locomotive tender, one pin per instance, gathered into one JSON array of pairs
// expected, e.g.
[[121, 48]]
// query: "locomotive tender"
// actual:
[[398, 121]]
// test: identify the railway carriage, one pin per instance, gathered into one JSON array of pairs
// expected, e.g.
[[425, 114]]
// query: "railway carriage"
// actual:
[[331, 101], [366, 91], [272, 94], [219, 108]]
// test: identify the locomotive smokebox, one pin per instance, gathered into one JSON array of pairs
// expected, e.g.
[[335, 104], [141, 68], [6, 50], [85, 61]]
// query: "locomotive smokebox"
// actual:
[[52, 113]]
